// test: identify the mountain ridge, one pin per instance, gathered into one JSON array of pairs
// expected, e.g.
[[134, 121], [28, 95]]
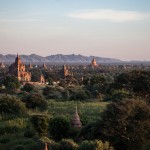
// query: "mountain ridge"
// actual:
[[58, 58]]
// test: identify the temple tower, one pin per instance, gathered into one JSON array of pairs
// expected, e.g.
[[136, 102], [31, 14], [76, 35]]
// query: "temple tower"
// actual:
[[44, 66], [46, 148], [93, 63]]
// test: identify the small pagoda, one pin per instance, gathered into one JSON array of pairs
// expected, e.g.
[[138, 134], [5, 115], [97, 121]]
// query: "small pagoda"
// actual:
[[76, 123], [46, 148]]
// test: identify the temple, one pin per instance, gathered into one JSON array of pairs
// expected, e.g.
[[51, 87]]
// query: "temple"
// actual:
[[2, 65], [18, 69], [44, 66], [93, 63]]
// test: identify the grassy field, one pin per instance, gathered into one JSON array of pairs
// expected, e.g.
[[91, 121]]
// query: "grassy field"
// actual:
[[12, 130], [88, 111]]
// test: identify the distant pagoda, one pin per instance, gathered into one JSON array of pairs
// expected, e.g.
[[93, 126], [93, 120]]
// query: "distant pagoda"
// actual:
[[76, 123], [2, 65], [93, 63], [30, 65], [44, 66]]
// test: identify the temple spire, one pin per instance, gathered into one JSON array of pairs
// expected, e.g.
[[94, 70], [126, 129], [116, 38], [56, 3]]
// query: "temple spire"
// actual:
[[46, 148]]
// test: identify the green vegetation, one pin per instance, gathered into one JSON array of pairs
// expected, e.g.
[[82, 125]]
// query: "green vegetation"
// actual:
[[114, 110], [11, 106], [11, 83], [132, 118]]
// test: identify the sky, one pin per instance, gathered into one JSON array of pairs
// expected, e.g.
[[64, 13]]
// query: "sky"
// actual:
[[105, 28]]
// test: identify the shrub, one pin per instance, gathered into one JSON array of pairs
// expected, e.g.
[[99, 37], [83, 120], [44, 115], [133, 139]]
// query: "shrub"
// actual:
[[68, 144], [35, 100], [118, 95], [87, 145], [19, 147], [59, 128], [28, 87], [95, 145], [126, 123], [11, 82], [30, 131], [40, 123], [10, 105], [79, 95], [50, 144], [12, 126]]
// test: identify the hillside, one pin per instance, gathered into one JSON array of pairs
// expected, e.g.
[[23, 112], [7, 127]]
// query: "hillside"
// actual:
[[59, 58]]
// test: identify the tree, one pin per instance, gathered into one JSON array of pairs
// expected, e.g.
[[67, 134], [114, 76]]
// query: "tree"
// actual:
[[40, 123], [36, 73], [10, 105], [118, 95], [137, 81], [59, 127], [28, 87], [79, 95], [68, 144], [35, 100], [11, 82], [47, 90], [95, 145], [141, 83], [126, 124]]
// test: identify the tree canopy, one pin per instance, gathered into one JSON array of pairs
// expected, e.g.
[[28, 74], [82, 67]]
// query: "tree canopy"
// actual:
[[126, 123]]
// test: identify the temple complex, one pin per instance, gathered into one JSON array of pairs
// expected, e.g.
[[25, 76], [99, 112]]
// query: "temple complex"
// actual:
[[18, 69]]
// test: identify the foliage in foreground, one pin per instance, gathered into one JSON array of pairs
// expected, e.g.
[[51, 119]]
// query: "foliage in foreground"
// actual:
[[126, 124], [59, 128], [11, 105]]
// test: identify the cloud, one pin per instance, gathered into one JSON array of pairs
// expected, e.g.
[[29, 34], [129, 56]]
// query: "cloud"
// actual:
[[109, 15]]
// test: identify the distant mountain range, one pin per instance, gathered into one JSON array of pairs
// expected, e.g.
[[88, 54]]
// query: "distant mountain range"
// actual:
[[59, 58]]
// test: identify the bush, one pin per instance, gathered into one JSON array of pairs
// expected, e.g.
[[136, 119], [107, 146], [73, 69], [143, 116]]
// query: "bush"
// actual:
[[11, 82], [118, 95], [59, 128], [126, 123], [79, 95], [50, 144], [95, 145], [68, 144], [10, 105], [40, 123], [28, 87], [35, 100], [30, 131], [19, 147], [87, 145], [12, 126]]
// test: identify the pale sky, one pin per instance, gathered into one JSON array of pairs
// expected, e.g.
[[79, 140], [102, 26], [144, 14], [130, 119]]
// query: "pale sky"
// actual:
[[105, 28]]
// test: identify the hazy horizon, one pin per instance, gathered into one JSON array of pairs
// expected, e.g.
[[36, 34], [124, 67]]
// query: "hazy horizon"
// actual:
[[110, 29]]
